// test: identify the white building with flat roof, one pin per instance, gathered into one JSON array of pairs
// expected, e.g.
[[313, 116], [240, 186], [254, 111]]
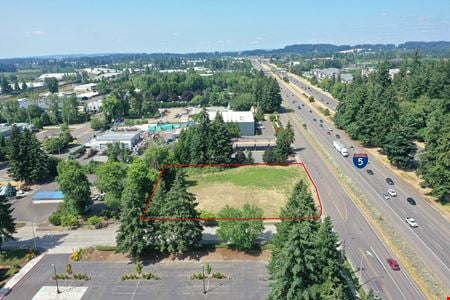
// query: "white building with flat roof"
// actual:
[[83, 88], [128, 138], [244, 119]]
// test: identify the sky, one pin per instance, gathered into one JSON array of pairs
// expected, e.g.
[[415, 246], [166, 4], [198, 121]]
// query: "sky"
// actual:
[[49, 27]]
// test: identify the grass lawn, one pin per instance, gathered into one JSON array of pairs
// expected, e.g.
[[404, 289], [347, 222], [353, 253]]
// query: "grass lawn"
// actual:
[[265, 186], [11, 260]]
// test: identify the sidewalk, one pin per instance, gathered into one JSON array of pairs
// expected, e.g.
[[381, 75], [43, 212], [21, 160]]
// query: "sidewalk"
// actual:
[[4, 291]]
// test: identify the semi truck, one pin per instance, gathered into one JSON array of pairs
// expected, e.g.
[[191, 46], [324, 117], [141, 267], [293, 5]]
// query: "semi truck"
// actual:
[[340, 148]]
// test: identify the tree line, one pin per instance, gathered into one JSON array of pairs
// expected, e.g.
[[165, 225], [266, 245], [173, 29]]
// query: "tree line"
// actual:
[[394, 113], [142, 94]]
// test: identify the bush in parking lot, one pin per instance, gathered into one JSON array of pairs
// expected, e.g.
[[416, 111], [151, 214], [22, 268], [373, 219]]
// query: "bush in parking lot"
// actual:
[[69, 220], [94, 220], [55, 218]]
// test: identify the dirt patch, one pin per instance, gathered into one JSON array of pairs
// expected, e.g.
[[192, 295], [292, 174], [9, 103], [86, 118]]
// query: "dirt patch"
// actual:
[[218, 254], [214, 197]]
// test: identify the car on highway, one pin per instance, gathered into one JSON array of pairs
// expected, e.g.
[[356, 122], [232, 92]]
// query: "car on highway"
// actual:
[[386, 196], [390, 181], [369, 171], [411, 201], [310, 111], [392, 193], [338, 136], [411, 222], [299, 107], [329, 133], [393, 264], [330, 129], [303, 104], [314, 119], [321, 121], [321, 125]]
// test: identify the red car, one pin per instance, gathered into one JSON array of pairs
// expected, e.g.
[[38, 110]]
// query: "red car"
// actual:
[[393, 264]]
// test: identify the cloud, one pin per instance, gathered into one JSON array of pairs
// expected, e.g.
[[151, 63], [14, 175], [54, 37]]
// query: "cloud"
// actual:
[[36, 32]]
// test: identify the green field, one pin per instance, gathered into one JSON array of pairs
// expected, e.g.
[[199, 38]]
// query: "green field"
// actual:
[[265, 186]]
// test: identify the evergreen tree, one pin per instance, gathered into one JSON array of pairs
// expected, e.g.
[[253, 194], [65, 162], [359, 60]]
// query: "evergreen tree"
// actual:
[[27, 161], [300, 203], [4, 85], [7, 222], [3, 148], [179, 236], [221, 150], [201, 139], [133, 236], [399, 148]]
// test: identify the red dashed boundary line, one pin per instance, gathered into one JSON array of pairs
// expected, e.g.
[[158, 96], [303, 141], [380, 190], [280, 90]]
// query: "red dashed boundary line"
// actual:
[[165, 167]]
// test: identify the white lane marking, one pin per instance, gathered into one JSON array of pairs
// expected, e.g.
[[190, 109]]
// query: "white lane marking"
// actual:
[[385, 269]]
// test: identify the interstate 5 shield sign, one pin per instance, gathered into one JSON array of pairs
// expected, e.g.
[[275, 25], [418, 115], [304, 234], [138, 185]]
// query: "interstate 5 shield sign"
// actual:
[[360, 160]]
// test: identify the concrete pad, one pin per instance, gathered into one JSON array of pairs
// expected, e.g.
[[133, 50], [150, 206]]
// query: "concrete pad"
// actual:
[[66, 293]]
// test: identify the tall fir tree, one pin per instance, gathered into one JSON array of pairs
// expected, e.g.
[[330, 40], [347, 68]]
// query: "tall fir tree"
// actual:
[[179, 236], [7, 222], [221, 150], [133, 237]]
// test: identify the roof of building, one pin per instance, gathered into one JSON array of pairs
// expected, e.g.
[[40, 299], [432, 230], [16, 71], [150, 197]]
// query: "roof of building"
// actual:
[[118, 136], [85, 86], [234, 116], [87, 95], [44, 195]]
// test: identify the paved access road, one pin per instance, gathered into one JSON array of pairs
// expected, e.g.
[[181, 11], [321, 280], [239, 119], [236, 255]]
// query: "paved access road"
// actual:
[[249, 280]]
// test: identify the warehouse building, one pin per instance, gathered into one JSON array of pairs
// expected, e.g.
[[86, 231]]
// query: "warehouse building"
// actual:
[[128, 138], [244, 119]]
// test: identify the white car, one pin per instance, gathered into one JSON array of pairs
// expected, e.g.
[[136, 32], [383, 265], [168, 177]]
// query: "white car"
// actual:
[[411, 222], [392, 192]]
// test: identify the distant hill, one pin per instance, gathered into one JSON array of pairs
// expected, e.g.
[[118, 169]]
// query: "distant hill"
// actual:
[[437, 48]]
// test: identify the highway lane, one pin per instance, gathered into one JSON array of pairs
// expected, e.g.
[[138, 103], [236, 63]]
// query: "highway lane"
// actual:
[[432, 245], [353, 229]]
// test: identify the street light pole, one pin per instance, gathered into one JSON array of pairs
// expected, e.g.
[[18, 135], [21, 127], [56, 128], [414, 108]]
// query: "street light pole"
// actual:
[[203, 279], [34, 235], [56, 279], [361, 263]]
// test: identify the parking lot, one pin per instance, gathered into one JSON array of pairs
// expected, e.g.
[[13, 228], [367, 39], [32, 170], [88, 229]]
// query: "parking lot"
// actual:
[[174, 280]]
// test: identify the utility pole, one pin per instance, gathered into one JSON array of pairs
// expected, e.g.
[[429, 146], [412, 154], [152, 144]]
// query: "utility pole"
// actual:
[[56, 279]]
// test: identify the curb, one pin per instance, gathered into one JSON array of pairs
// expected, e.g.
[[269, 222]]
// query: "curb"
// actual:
[[8, 287]]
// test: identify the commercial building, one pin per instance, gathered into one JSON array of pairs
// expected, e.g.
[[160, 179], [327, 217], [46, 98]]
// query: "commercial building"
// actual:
[[83, 88], [128, 138], [244, 119]]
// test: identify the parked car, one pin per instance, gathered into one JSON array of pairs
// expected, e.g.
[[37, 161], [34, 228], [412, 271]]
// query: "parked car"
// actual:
[[386, 196], [393, 264], [390, 181], [369, 171], [411, 222], [411, 201], [20, 194], [392, 193]]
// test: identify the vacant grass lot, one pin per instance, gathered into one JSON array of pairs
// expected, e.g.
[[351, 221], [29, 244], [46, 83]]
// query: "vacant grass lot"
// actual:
[[265, 186]]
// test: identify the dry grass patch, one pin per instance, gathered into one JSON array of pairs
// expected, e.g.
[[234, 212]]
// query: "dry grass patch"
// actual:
[[268, 187]]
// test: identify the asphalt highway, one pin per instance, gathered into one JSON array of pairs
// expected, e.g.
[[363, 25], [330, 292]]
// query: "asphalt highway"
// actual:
[[431, 240]]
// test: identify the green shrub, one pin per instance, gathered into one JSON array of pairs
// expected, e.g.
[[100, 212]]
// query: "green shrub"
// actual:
[[94, 220], [69, 220], [13, 270], [55, 218], [218, 275], [105, 248]]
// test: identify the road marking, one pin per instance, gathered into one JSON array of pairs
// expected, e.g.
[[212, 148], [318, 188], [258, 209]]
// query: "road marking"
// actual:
[[135, 289], [385, 269]]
